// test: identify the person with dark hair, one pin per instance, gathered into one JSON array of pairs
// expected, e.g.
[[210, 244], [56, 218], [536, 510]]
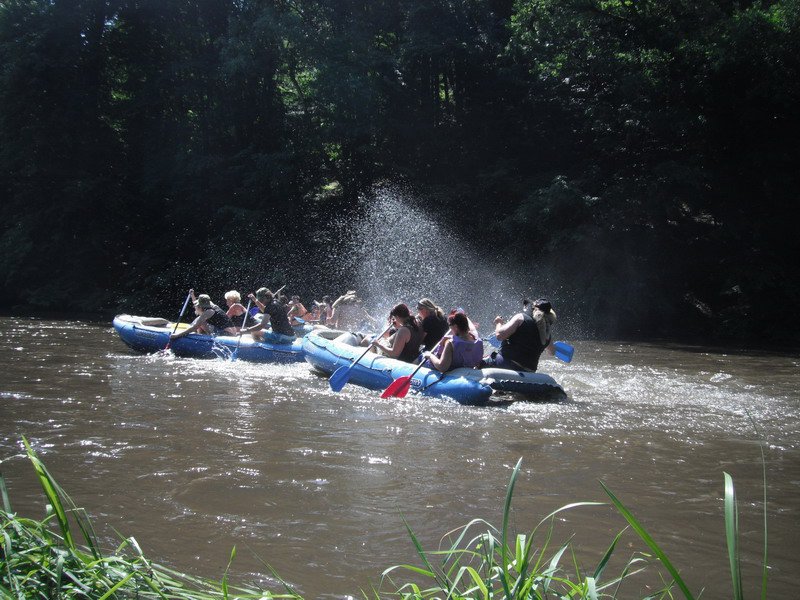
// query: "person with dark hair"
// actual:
[[524, 337], [211, 319], [404, 343], [432, 321], [297, 311], [323, 310], [274, 314], [459, 349]]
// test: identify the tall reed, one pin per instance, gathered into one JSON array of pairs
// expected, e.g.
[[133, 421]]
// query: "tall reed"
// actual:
[[490, 565], [42, 559]]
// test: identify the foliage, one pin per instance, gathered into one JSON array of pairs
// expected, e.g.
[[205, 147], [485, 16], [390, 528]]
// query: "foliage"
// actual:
[[141, 142]]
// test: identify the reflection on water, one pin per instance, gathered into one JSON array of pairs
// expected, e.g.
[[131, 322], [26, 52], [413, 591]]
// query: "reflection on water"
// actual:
[[193, 457]]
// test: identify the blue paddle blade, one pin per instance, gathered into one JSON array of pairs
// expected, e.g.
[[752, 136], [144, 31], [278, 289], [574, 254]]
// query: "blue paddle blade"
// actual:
[[564, 351], [339, 378]]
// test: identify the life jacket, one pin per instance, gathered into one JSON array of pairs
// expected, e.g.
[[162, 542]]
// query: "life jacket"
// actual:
[[410, 351], [434, 327], [278, 318], [524, 346], [219, 320], [466, 353]]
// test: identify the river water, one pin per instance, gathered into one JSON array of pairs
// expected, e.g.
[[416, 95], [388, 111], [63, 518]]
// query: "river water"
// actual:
[[193, 457]]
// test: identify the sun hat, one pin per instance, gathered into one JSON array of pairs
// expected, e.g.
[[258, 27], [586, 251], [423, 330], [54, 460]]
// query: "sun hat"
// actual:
[[203, 301]]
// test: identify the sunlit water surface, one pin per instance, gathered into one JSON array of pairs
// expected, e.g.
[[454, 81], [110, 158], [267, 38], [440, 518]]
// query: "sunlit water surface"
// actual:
[[193, 457]]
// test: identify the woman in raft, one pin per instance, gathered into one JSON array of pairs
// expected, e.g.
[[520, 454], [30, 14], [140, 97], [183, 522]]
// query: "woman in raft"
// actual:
[[459, 348], [432, 321], [235, 309], [404, 343]]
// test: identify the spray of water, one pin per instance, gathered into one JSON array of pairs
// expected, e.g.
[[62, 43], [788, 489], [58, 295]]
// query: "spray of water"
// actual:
[[397, 252]]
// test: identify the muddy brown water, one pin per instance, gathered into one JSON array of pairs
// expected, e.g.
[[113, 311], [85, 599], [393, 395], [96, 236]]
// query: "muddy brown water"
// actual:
[[193, 457]]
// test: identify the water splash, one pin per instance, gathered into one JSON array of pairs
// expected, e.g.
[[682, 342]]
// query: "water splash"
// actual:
[[397, 252]]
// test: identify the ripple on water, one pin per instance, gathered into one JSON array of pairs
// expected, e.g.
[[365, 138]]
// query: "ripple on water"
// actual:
[[199, 454]]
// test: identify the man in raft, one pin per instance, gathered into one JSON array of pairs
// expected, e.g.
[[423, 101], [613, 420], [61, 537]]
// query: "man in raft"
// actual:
[[348, 313], [274, 313], [210, 319], [524, 337]]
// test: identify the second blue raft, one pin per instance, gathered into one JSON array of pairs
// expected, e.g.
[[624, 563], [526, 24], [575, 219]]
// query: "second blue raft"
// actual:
[[466, 386], [151, 335]]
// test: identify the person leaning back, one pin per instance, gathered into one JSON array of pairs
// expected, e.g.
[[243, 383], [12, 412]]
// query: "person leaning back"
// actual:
[[524, 337]]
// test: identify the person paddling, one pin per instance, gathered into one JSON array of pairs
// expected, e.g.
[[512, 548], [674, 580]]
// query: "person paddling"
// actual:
[[461, 348], [235, 309], [274, 314], [297, 311], [524, 337], [210, 318], [348, 313], [404, 343]]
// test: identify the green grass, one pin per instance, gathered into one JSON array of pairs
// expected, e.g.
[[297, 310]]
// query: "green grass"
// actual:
[[43, 559]]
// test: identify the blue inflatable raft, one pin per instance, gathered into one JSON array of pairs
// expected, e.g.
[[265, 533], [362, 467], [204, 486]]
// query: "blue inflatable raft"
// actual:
[[149, 335], [467, 386]]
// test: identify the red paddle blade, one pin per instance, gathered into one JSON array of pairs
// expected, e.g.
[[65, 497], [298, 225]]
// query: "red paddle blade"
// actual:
[[398, 388]]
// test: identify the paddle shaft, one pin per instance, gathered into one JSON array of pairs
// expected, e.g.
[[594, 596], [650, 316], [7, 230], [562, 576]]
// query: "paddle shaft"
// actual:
[[244, 322], [180, 316], [340, 376], [369, 347], [399, 387]]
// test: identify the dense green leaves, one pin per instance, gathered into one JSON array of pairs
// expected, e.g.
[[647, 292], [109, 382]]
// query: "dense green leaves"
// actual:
[[644, 153]]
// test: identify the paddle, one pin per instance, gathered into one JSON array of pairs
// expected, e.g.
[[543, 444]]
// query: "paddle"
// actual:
[[563, 351], [180, 316], [340, 376], [239, 341], [400, 386]]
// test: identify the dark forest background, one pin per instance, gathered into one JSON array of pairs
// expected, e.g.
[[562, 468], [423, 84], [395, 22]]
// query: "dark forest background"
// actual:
[[645, 151]]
